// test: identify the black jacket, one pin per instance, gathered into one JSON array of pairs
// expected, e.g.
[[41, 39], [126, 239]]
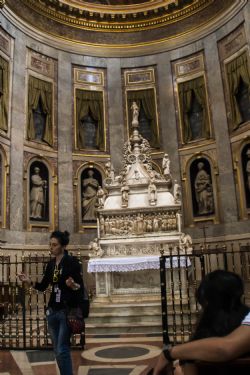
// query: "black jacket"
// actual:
[[68, 267]]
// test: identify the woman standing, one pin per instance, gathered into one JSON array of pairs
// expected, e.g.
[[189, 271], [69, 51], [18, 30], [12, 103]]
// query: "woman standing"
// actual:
[[63, 273]]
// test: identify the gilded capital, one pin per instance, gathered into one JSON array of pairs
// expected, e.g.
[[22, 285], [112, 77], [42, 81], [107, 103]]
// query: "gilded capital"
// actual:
[[2, 3]]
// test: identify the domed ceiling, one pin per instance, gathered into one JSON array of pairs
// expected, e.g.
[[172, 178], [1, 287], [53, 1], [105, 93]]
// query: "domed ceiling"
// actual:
[[118, 2], [119, 23]]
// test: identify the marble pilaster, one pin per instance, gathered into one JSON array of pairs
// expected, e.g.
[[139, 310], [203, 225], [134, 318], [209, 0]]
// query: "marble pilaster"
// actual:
[[247, 21], [115, 112], [167, 113], [18, 129], [65, 123], [219, 120]]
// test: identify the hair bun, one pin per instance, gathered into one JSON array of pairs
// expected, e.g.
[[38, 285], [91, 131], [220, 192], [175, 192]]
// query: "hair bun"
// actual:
[[66, 233]]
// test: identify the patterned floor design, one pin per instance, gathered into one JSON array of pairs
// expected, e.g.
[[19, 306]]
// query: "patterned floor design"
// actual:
[[102, 356]]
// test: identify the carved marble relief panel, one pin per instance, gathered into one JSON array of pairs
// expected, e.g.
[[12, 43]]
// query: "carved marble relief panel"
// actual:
[[140, 223]]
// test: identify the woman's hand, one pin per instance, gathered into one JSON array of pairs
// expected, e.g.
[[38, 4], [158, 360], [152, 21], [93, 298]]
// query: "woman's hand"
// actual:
[[71, 284], [24, 278], [162, 365]]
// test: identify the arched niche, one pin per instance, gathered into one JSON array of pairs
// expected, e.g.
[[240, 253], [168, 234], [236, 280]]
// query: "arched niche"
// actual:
[[245, 166], [89, 177], [3, 188], [202, 190], [40, 194]]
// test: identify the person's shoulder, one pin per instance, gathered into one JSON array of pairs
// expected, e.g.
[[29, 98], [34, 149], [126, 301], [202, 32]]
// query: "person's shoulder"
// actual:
[[246, 320], [71, 259]]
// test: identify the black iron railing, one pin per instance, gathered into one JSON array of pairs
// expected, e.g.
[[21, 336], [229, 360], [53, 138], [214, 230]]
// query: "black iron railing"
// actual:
[[22, 310]]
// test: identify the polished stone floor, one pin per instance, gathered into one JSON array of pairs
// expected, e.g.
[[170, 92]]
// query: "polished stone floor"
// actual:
[[103, 355]]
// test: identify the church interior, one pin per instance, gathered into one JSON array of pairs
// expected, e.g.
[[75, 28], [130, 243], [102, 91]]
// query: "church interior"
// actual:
[[126, 123]]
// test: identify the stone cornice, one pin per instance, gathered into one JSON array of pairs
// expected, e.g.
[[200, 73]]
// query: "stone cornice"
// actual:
[[113, 21], [131, 21], [131, 49]]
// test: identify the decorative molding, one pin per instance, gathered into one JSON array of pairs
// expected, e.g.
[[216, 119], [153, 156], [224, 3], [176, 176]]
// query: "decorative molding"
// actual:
[[189, 66], [138, 224], [41, 64], [5, 43], [89, 77], [232, 43], [135, 47], [139, 76], [77, 16]]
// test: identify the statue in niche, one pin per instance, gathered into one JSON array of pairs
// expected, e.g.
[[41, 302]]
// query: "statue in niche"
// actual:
[[135, 113], [203, 191], [39, 121], [1, 182], [145, 128], [243, 100], [88, 132], [166, 166], [177, 192], [152, 193], [248, 169], [38, 195], [89, 199], [195, 116], [125, 193]]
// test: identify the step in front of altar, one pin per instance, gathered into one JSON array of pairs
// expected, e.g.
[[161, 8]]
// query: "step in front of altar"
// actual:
[[137, 318]]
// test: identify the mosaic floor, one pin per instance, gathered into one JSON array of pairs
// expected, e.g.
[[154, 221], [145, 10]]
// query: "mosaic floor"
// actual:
[[109, 355]]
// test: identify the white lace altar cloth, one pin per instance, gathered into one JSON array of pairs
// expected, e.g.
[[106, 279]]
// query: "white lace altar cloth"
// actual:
[[135, 264]]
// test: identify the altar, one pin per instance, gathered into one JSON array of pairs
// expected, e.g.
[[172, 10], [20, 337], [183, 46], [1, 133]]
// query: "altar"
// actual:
[[139, 218]]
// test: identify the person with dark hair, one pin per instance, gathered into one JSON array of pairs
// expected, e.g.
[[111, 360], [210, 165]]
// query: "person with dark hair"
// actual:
[[223, 330], [63, 273]]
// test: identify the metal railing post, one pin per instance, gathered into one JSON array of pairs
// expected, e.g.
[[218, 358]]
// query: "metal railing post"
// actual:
[[164, 311]]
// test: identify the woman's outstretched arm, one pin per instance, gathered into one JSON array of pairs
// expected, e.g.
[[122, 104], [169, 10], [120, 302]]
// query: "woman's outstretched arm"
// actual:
[[215, 349]]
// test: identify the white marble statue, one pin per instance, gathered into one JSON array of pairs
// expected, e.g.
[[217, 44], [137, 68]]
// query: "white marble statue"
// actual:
[[166, 166], [109, 171], [152, 193], [177, 192], [96, 250], [102, 225], [100, 197], [37, 195], [135, 113], [185, 242], [125, 193]]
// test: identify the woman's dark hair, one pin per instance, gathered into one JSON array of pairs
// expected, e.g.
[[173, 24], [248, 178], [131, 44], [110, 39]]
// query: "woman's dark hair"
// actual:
[[220, 295], [62, 237]]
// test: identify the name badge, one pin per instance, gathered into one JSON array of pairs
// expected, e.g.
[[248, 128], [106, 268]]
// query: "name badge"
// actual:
[[58, 294]]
